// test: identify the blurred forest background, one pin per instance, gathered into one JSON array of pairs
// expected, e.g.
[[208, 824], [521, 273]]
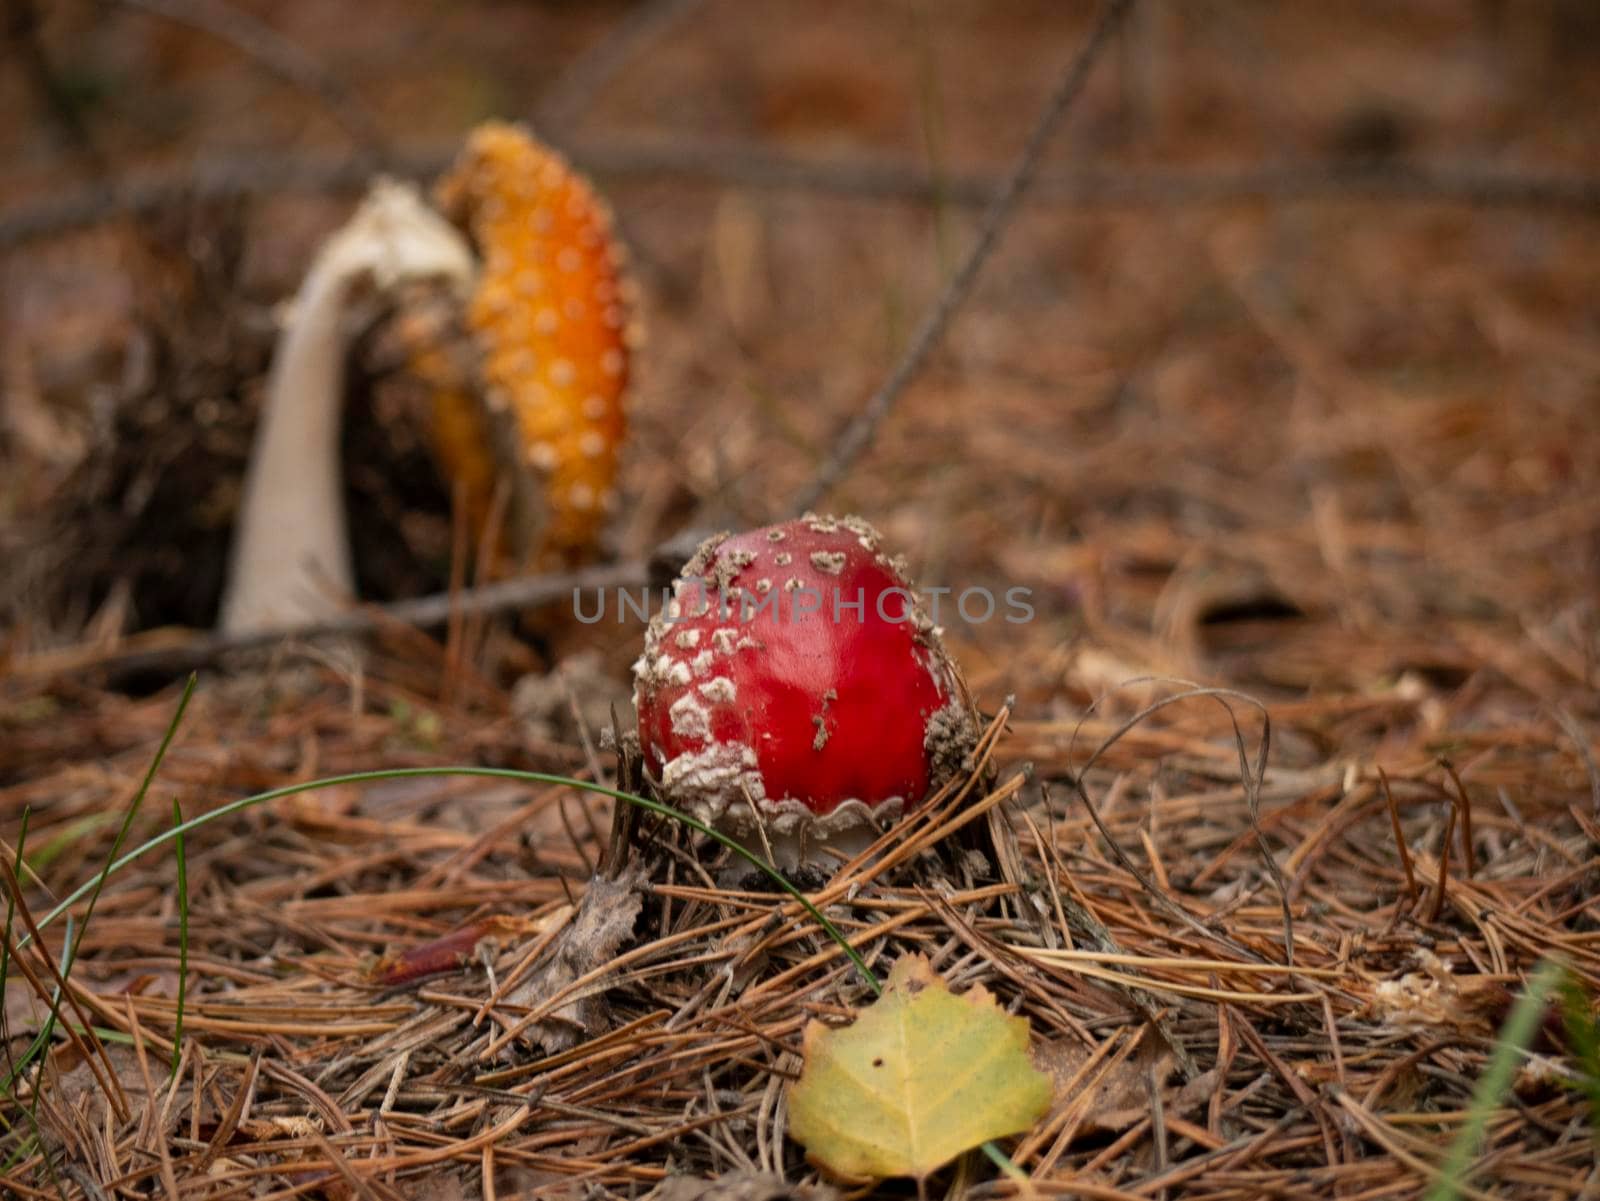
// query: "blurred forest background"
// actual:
[[1285, 264], [1284, 376]]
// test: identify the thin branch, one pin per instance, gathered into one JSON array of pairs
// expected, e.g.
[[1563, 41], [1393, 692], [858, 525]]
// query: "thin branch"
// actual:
[[1077, 781], [219, 179], [736, 165], [1436, 906], [857, 435], [1468, 855], [261, 43], [159, 653], [588, 74], [1399, 836], [1476, 184]]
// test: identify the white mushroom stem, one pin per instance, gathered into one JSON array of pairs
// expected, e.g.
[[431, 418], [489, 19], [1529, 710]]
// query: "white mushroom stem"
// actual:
[[790, 849], [291, 560], [789, 837]]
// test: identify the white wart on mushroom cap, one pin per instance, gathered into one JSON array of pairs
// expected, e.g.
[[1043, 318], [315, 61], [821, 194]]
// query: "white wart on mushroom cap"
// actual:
[[795, 683]]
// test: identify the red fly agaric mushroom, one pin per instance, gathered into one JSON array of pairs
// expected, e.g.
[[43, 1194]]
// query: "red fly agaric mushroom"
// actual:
[[794, 693]]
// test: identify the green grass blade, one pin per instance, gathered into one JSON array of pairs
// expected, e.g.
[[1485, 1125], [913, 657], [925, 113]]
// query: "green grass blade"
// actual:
[[494, 773], [1003, 1161], [65, 838], [1495, 1083], [181, 828], [35, 1139], [41, 1041], [127, 821], [5, 952], [1583, 1040], [69, 950], [40, 1044], [11, 917]]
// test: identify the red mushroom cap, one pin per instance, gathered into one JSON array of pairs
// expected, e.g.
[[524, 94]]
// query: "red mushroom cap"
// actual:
[[795, 669]]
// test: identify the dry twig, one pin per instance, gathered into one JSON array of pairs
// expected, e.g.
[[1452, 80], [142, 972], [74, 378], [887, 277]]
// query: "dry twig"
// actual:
[[264, 45], [857, 435]]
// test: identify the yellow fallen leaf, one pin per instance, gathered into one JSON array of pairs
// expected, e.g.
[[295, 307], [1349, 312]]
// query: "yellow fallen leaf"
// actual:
[[921, 1076]]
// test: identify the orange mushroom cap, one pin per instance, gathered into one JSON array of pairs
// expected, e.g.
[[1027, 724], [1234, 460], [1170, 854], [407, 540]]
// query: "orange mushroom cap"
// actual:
[[550, 317]]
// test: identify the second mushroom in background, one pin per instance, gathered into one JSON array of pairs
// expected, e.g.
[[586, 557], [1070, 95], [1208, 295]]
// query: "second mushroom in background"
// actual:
[[552, 325], [516, 347]]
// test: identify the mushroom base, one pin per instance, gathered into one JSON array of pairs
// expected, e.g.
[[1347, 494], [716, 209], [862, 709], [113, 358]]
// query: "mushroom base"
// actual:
[[797, 838]]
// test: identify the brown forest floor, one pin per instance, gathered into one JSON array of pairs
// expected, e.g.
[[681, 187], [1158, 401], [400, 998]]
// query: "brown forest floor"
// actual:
[[1333, 445]]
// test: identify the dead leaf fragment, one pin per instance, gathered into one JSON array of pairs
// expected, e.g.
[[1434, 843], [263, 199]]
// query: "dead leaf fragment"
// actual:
[[921, 1076], [1436, 996], [602, 922], [443, 954]]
